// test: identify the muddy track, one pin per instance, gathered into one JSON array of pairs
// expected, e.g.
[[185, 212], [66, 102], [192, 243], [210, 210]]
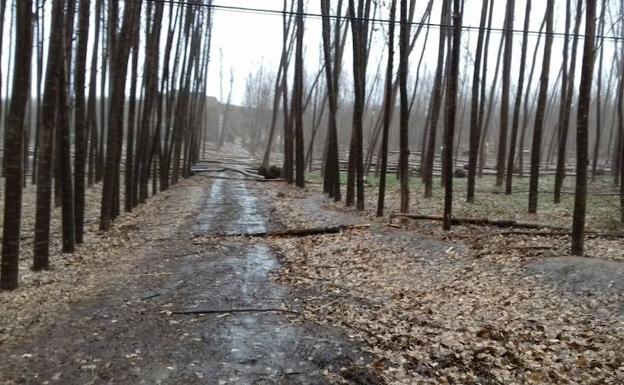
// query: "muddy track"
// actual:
[[130, 334]]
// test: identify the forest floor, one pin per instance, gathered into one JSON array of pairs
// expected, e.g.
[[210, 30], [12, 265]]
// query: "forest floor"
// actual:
[[477, 305], [396, 302]]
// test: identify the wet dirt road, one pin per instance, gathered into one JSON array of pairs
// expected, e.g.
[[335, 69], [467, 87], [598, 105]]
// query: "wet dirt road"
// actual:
[[130, 334]]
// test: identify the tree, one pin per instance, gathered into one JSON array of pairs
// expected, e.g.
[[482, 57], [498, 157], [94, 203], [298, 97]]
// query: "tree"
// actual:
[[64, 156], [404, 112], [475, 131], [359, 28], [288, 129], [332, 166], [388, 104], [451, 111], [129, 180], [599, 130], [518, 103], [298, 100], [504, 112], [80, 119], [48, 116], [582, 129], [536, 147], [436, 101], [14, 144], [566, 108], [115, 129]]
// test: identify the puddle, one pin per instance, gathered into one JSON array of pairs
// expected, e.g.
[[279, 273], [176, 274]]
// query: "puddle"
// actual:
[[261, 347]]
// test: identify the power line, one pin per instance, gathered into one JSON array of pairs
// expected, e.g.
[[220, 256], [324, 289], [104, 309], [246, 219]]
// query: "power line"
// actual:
[[308, 15]]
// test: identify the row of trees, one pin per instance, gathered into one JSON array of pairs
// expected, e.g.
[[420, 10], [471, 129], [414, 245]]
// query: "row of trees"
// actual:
[[455, 97], [131, 115]]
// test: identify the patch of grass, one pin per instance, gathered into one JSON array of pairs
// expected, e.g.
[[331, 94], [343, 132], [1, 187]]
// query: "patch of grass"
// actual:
[[603, 211]]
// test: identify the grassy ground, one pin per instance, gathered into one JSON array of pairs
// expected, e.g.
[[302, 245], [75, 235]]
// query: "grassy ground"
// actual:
[[603, 211]]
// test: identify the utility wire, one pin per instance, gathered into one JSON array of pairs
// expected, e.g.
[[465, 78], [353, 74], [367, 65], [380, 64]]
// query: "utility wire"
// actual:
[[308, 15]]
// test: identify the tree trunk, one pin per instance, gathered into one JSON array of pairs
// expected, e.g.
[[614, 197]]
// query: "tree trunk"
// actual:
[[404, 111], [80, 119], [567, 107], [582, 129], [48, 117], [518, 103], [599, 91], [332, 166], [298, 100], [475, 131], [536, 147], [388, 104], [451, 111], [506, 80], [436, 101], [115, 130], [13, 149]]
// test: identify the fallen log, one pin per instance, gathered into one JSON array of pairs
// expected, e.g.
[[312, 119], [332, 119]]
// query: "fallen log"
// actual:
[[553, 231], [482, 222], [210, 311], [560, 233], [306, 232], [243, 179]]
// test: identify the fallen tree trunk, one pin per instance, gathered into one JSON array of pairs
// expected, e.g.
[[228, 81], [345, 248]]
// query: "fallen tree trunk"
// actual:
[[203, 175], [482, 222], [306, 232], [561, 233], [553, 231], [198, 312]]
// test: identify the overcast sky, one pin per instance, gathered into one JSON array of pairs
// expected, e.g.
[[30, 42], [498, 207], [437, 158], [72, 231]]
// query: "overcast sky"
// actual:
[[248, 39]]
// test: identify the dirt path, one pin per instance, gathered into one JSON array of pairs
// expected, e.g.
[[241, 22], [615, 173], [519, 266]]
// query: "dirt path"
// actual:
[[128, 333]]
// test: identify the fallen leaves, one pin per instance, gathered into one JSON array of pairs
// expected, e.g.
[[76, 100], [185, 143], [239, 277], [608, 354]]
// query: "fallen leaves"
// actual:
[[449, 313]]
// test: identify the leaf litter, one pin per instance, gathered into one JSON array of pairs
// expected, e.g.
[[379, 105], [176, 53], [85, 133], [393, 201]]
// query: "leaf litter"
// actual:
[[449, 308]]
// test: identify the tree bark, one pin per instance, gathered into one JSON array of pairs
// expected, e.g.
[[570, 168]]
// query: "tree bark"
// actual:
[[536, 147], [80, 119], [404, 109], [567, 107], [48, 116], [475, 131], [13, 149], [115, 129], [518, 102], [436, 99], [298, 100], [388, 104], [506, 80], [582, 130], [451, 112]]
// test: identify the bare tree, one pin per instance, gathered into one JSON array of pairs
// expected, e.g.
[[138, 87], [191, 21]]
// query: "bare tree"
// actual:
[[582, 129], [14, 144], [451, 111], [536, 147], [518, 103], [436, 102], [404, 109], [298, 99], [388, 104], [475, 131], [332, 166], [566, 108], [48, 116], [506, 80]]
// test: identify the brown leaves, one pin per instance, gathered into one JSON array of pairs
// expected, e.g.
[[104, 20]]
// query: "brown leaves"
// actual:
[[447, 313]]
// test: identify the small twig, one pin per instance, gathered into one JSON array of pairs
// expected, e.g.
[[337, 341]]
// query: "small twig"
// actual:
[[150, 296], [209, 311]]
